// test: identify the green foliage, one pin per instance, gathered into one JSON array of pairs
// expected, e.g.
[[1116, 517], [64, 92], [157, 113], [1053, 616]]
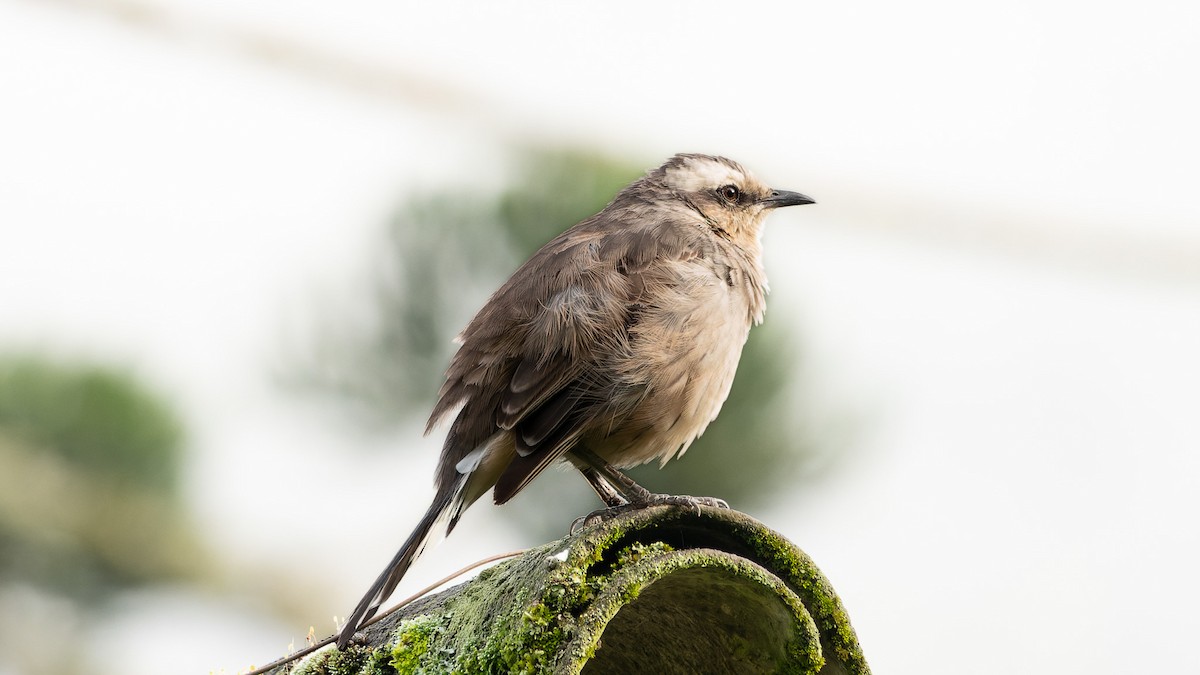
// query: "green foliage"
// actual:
[[444, 253], [89, 467], [96, 419]]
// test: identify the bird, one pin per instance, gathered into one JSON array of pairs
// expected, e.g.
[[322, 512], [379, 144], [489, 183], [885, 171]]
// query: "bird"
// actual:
[[614, 345]]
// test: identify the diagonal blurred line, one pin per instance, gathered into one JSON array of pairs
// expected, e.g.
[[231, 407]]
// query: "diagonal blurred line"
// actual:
[[303, 58], [1109, 249], [1106, 248]]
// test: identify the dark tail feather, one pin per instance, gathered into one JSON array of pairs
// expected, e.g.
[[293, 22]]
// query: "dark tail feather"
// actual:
[[439, 511]]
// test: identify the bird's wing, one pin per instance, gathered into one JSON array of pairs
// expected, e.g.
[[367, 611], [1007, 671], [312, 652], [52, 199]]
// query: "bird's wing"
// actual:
[[575, 386], [531, 361]]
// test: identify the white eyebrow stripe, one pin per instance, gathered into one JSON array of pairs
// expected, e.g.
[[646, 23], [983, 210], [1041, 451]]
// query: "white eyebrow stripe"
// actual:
[[694, 176]]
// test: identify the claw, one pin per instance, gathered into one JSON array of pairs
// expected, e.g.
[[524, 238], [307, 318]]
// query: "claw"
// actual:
[[582, 521], [601, 515], [688, 500]]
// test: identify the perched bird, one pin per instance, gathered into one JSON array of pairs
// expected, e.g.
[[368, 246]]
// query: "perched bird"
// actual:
[[614, 345]]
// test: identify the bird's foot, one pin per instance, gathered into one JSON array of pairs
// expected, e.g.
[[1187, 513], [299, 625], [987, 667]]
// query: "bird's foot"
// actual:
[[688, 500], [652, 499]]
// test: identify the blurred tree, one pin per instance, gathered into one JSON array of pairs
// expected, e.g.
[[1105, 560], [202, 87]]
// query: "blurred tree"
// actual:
[[447, 251], [89, 479]]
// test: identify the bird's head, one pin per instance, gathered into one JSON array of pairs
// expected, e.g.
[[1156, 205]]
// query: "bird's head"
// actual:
[[728, 197]]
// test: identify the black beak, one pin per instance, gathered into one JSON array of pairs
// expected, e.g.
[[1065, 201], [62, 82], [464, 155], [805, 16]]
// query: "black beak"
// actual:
[[780, 198]]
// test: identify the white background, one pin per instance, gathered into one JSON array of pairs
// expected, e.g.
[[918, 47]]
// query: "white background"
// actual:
[[1002, 276]]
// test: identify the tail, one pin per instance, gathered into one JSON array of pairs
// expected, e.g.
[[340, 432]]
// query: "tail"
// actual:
[[444, 510]]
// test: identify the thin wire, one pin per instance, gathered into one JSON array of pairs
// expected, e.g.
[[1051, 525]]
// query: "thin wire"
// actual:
[[419, 594]]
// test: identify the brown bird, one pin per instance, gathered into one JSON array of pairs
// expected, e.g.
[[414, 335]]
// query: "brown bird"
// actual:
[[614, 345]]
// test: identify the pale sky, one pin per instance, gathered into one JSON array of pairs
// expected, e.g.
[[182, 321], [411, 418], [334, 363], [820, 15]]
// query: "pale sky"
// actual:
[[1000, 277]]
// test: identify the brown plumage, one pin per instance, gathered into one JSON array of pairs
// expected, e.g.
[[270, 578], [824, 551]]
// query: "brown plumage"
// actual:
[[614, 345]]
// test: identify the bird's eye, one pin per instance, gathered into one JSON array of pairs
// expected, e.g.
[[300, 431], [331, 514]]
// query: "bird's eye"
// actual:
[[729, 193]]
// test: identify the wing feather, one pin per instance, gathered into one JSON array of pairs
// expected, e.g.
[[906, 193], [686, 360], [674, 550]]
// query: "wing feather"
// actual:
[[533, 360]]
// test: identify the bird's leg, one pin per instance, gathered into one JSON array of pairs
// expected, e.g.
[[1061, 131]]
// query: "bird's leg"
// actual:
[[607, 493], [634, 496], [630, 491]]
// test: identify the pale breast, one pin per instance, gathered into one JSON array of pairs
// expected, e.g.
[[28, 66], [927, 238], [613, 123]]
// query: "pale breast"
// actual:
[[683, 353]]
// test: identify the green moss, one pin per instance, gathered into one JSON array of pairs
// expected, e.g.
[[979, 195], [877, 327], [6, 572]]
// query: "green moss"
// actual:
[[532, 645], [805, 657], [525, 641], [354, 660], [819, 597], [528, 639], [545, 612], [637, 551], [413, 639]]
